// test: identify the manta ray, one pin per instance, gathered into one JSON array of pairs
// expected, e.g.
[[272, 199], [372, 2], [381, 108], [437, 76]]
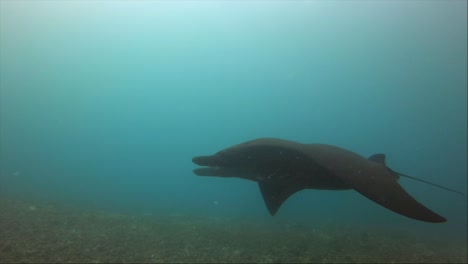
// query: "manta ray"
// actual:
[[283, 167]]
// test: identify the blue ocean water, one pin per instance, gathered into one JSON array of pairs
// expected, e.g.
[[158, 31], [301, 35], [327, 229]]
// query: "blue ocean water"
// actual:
[[103, 104]]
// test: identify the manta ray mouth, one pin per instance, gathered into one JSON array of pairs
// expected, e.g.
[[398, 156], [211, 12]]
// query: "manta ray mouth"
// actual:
[[214, 166]]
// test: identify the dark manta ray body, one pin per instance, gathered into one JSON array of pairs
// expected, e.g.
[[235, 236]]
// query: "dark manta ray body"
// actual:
[[283, 167]]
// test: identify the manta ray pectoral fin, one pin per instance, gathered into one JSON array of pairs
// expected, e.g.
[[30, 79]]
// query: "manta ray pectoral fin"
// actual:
[[274, 195], [386, 191]]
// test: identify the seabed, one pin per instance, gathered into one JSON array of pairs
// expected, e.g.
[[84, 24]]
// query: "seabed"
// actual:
[[50, 233]]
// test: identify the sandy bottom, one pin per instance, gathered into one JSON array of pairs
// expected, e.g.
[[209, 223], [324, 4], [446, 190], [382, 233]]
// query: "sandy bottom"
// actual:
[[48, 233]]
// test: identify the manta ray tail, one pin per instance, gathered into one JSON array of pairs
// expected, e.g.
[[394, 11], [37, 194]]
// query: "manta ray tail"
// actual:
[[437, 185], [380, 158]]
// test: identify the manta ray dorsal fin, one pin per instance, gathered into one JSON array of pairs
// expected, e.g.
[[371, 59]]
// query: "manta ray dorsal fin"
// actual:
[[379, 158], [274, 195]]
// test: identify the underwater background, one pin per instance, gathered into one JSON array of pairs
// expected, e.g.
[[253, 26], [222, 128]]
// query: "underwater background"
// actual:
[[103, 104]]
